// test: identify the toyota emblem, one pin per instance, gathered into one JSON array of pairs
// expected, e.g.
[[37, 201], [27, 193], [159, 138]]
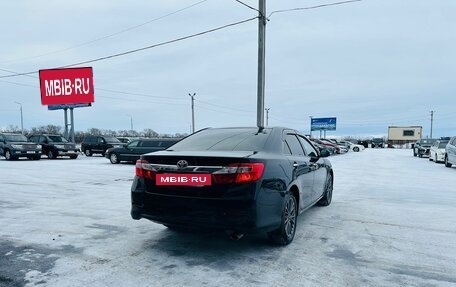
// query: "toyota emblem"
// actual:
[[182, 164]]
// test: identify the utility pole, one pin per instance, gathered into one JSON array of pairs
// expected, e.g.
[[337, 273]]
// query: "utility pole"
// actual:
[[72, 125], [310, 126], [22, 119], [432, 121], [261, 62], [131, 122], [267, 116], [193, 111]]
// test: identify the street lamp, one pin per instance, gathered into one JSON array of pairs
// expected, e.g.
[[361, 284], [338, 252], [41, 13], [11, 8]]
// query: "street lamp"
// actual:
[[22, 119], [131, 122], [193, 111]]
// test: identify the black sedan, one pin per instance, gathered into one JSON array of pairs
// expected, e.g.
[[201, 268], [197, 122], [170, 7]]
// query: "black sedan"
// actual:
[[135, 148], [234, 179]]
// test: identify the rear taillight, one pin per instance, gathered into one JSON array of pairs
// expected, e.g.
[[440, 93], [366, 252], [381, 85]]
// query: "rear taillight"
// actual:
[[144, 169], [239, 173]]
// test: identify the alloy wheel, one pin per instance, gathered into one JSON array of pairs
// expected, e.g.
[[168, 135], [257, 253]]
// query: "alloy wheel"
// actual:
[[329, 189], [113, 158], [290, 217]]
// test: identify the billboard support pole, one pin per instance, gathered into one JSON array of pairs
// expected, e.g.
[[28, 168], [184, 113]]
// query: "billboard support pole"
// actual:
[[72, 125], [261, 62], [65, 117]]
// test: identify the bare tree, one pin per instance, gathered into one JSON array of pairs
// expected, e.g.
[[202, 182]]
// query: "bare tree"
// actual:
[[150, 133], [94, 131], [11, 129]]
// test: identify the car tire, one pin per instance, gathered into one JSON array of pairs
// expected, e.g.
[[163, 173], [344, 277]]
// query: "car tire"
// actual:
[[430, 158], [88, 152], [8, 155], [285, 233], [327, 198], [114, 158], [356, 149], [447, 164], [74, 156], [414, 153], [51, 154]]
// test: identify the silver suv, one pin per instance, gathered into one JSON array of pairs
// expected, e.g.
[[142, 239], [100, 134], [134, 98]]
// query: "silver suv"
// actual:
[[450, 152]]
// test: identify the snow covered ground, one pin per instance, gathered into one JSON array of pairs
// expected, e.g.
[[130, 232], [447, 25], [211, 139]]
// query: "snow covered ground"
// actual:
[[392, 222]]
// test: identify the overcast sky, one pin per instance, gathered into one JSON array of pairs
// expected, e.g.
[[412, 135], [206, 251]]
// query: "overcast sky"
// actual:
[[371, 64]]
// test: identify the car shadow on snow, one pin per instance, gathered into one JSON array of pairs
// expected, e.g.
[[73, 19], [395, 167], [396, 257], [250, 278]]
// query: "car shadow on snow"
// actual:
[[212, 249]]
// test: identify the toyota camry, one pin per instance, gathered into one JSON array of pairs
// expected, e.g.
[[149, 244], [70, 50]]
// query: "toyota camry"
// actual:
[[238, 180]]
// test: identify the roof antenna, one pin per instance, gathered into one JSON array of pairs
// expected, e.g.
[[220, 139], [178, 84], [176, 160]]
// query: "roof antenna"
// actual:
[[260, 130]]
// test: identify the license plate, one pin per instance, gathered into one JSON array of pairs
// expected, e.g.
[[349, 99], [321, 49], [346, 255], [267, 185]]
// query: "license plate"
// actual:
[[183, 179], [30, 151]]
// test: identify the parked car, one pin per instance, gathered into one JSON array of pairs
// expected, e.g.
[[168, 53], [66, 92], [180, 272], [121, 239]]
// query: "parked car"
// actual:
[[364, 143], [378, 142], [54, 146], [126, 140], [450, 152], [99, 144], [422, 147], [135, 148], [320, 147], [235, 179], [14, 146], [354, 147], [437, 151], [343, 148], [336, 147]]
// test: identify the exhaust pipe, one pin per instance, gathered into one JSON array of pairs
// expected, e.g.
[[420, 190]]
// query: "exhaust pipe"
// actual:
[[233, 235]]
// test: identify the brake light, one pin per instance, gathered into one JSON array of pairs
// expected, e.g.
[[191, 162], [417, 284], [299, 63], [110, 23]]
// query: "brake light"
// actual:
[[144, 169], [239, 173]]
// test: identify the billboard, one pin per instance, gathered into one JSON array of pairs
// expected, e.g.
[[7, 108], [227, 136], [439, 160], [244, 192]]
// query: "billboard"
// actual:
[[72, 106], [67, 86], [323, 124]]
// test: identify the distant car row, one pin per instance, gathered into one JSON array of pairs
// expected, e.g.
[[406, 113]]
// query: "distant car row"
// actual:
[[15, 146], [123, 149], [438, 150]]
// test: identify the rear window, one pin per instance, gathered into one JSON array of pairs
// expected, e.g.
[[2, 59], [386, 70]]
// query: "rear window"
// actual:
[[224, 140], [427, 141], [57, 139], [150, 144], [111, 140], [15, 138], [89, 139]]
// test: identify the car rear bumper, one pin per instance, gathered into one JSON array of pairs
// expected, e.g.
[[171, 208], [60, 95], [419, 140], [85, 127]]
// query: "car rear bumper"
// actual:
[[237, 214]]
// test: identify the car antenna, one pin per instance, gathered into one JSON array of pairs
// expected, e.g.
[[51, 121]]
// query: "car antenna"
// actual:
[[260, 130]]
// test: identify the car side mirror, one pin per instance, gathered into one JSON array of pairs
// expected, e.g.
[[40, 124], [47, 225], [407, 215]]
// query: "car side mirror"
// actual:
[[324, 153]]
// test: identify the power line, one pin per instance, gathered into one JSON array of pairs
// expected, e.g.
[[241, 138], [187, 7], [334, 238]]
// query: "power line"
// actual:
[[313, 7], [106, 36], [141, 49], [224, 106], [250, 7], [139, 94]]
